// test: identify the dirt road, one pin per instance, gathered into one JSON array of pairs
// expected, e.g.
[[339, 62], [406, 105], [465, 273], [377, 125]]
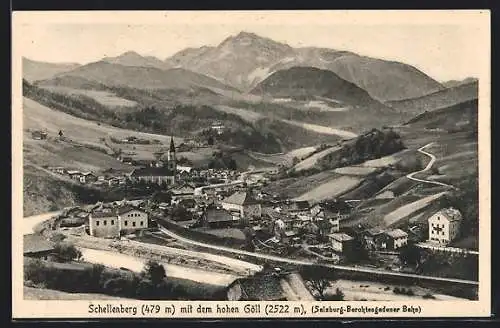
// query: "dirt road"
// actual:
[[427, 168], [30, 222], [117, 260]]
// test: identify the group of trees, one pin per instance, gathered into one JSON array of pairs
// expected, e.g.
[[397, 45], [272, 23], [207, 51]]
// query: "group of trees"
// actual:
[[150, 283], [374, 144], [221, 161], [466, 200]]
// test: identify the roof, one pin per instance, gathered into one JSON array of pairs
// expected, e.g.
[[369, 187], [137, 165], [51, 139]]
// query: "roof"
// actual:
[[240, 198], [73, 172], [396, 233], [261, 288], [152, 171], [340, 236], [102, 214], [299, 205], [334, 206], [451, 214], [374, 231], [172, 145], [185, 189], [218, 215], [35, 243], [127, 208]]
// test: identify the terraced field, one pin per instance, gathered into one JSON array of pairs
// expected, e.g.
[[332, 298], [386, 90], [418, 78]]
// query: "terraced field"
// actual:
[[309, 162], [331, 189]]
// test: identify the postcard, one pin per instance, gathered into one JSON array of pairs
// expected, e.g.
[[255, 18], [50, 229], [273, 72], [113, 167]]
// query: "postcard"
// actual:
[[251, 164]]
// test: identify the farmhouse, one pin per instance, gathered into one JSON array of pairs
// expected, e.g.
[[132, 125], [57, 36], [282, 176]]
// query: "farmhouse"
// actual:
[[244, 203], [395, 239], [74, 174], [88, 177], [217, 218], [183, 192], [57, 169], [39, 135], [341, 242], [374, 238], [37, 246], [444, 225]]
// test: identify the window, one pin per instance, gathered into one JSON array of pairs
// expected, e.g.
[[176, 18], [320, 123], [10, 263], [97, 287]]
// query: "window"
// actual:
[[133, 224], [97, 223], [112, 222], [126, 223], [105, 222], [142, 223]]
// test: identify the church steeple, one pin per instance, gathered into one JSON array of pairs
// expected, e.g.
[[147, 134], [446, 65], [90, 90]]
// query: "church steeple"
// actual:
[[172, 161], [172, 146]]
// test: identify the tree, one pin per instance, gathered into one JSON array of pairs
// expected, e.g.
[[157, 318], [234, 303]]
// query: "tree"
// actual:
[[409, 255], [66, 252], [60, 133], [319, 278], [155, 272]]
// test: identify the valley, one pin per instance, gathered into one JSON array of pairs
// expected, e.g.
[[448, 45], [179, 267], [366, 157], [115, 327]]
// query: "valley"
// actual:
[[325, 147]]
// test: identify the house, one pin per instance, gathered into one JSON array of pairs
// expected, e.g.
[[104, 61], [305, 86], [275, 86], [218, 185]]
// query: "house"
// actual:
[[131, 218], [185, 191], [341, 242], [103, 223], [395, 239], [112, 222], [326, 215], [374, 238], [217, 218], [243, 202], [153, 174], [189, 204], [444, 225], [296, 207], [74, 175], [57, 169], [269, 287], [88, 177], [184, 169], [39, 135], [335, 206], [37, 246]]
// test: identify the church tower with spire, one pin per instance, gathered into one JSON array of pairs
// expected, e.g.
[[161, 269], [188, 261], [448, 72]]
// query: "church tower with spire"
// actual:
[[172, 160]]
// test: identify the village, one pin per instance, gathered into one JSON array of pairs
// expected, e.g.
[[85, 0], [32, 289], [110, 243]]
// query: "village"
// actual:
[[236, 212]]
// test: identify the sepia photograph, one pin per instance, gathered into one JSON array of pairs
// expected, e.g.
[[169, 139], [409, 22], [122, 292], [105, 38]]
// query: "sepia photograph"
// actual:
[[314, 158]]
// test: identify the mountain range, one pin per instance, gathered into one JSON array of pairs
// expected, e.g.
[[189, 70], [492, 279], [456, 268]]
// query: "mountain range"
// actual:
[[244, 60], [249, 82]]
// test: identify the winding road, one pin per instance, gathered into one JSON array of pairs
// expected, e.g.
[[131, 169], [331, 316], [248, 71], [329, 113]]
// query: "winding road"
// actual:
[[428, 167]]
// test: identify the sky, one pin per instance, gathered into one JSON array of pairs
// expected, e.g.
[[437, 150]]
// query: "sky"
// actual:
[[446, 50]]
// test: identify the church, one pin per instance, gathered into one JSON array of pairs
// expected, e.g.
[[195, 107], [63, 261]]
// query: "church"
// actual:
[[158, 172]]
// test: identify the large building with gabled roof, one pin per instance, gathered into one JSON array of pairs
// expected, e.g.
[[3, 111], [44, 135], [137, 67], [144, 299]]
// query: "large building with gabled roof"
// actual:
[[243, 202], [444, 225]]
